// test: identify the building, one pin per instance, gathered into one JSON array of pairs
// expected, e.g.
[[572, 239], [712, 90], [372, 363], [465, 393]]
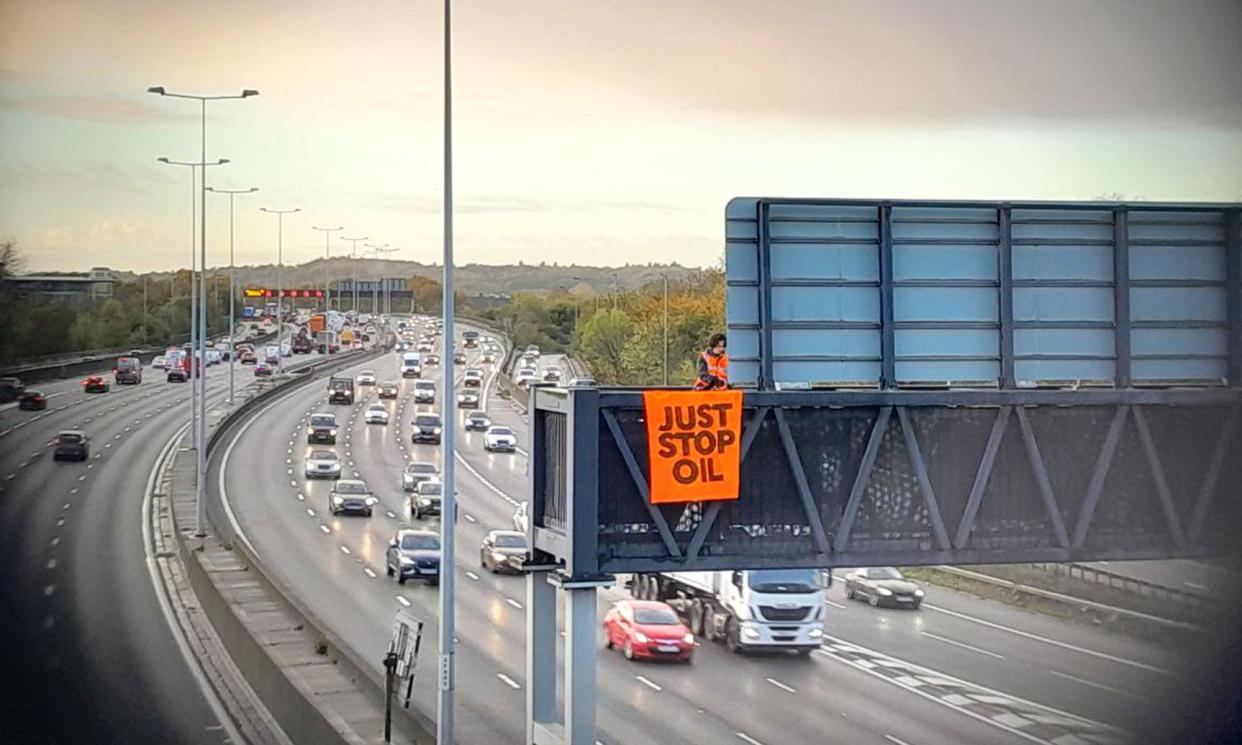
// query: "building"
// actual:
[[84, 289]]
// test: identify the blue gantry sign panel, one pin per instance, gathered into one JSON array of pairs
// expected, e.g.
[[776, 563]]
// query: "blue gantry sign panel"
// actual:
[[890, 293]]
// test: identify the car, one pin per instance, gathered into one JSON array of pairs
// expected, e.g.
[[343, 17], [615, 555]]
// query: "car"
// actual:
[[533, 350], [247, 358], [351, 496], [521, 518], [321, 429], [468, 399], [432, 359], [31, 400], [472, 378], [366, 377], [423, 346], [426, 499], [263, 370], [388, 389], [323, 464], [159, 362], [503, 551], [647, 629], [177, 374], [424, 391], [883, 586], [213, 357], [416, 472], [95, 384], [377, 414], [72, 444], [10, 388], [414, 554], [582, 382], [526, 361], [552, 375], [525, 376], [499, 439], [488, 358], [459, 358], [476, 421], [426, 428]]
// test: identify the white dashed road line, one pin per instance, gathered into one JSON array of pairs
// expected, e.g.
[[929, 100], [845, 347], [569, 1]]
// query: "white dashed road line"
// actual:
[[782, 686], [653, 686], [509, 681], [963, 645]]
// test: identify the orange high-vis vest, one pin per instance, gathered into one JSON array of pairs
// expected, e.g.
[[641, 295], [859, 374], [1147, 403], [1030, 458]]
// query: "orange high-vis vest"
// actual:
[[717, 367]]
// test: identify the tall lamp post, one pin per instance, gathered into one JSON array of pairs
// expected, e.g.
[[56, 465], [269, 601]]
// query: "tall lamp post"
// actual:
[[201, 511], [232, 282], [280, 285], [195, 330], [327, 251], [376, 251], [354, 255], [448, 519], [387, 292]]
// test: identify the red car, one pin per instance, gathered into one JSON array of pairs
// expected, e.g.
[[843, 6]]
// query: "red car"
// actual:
[[645, 629], [95, 384], [248, 358], [262, 370]]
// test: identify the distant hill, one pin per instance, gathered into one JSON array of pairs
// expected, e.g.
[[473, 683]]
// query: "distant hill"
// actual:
[[470, 279]]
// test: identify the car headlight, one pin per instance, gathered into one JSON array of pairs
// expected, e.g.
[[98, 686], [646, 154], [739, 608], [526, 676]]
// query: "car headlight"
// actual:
[[815, 633], [688, 638], [334, 467], [640, 637], [405, 560], [407, 479], [332, 432], [435, 430], [918, 593], [884, 591], [336, 499], [423, 501], [371, 500]]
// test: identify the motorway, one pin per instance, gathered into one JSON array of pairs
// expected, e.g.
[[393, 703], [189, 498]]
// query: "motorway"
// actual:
[[89, 656], [971, 670]]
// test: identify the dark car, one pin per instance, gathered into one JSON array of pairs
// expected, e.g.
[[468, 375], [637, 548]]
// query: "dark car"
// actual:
[[128, 371], [477, 421], [248, 358], [72, 444], [95, 384], [882, 586], [459, 358], [322, 429], [388, 390], [503, 551], [10, 389], [414, 554], [426, 499], [351, 496], [31, 401], [426, 428], [177, 375]]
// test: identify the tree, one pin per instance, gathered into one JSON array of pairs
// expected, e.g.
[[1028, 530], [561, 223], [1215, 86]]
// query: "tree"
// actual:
[[603, 341]]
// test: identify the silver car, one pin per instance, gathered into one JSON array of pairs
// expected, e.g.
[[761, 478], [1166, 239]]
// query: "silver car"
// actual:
[[416, 472], [323, 464]]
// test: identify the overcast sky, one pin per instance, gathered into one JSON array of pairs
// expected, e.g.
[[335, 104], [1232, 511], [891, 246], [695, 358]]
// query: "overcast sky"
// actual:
[[591, 131]]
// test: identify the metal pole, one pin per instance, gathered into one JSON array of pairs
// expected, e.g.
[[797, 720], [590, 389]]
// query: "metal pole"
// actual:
[[201, 452], [280, 291], [193, 305], [232, 295], [665, 330], [327, 256], [145, 320], [448, 519]]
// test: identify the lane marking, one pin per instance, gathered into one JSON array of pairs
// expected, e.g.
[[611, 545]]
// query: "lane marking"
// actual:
[[653, 686], [747, 738], [1054, 642], [326, 530], [471, 575], [963, 645], [782, 686], [834, 605], [1101, 686], [48, 590], [514, 603], [345, 550], [401, 599], [509, 681], [368, 572], [51, 563], [896, 740], [470, 518]]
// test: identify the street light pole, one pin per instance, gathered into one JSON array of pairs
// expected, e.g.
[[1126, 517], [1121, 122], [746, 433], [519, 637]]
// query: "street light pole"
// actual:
[[280, 285], [448, 515], [376, 251], [327, 251], [202, 336], [232, 282], [354, 254], [387, 292], [665, 330]]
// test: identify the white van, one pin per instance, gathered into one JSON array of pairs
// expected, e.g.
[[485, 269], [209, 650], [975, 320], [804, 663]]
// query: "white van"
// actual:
[[411, 365], [271, 354]]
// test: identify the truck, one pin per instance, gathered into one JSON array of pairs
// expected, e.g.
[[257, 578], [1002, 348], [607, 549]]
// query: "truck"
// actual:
[[748, 610], [411, 365], [347, 337], [340, 390], [316, 323], [326, 342]]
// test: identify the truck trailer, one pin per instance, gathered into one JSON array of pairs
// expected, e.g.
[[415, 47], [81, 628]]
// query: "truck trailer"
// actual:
[[748, 610]]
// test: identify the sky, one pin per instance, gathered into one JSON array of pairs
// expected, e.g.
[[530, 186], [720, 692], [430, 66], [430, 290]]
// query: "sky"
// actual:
[[588, 131]]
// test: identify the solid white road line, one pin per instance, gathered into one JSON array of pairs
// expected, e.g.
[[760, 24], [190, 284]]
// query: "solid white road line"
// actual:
[[1101, 686], [946, 640], [1053, 642]]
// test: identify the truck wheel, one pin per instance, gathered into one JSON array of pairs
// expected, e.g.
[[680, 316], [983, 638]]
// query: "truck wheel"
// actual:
[[733, 637]]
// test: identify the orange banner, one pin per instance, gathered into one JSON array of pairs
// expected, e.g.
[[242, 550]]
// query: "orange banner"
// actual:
[[693, 444]]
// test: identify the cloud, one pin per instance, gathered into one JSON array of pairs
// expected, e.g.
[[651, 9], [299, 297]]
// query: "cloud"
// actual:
[[495, 204], [109, 110]]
